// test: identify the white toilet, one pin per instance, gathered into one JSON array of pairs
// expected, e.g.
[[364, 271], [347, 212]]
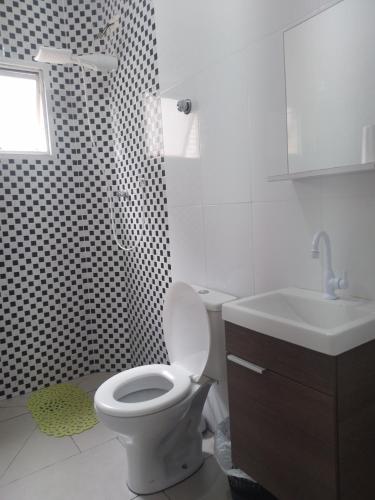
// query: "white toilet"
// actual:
[[158, 408]]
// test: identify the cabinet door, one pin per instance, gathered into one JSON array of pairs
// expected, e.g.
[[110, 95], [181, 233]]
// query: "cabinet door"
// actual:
[[283, 434], [302, 365]]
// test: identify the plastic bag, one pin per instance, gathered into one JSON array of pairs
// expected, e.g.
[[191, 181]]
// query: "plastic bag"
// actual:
[[223, 452], [242, 486]]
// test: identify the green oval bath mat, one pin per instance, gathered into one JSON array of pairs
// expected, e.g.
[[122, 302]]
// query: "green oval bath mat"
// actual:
[[62, 410]]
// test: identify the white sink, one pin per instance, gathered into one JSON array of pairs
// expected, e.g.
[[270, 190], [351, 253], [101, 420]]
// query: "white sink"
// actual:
[[304, 318]]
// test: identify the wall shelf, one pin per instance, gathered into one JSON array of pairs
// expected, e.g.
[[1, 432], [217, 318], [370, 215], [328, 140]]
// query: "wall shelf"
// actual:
[[349, 169]]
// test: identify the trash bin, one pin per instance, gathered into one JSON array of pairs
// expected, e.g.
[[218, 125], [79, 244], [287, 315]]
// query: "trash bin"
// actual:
[[243, 487]]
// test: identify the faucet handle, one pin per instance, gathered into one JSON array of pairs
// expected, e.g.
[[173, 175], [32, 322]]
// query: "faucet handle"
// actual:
[[342, 282]]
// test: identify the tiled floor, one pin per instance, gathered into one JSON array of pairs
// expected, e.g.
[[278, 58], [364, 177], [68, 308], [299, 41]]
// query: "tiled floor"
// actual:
[[88, 466]]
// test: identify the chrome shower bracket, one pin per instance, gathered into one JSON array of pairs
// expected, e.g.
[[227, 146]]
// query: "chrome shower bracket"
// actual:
[[112, 25], [124, 195], [142, 181]]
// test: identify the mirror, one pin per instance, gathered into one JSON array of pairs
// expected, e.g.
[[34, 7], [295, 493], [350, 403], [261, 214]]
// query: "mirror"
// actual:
[[330, 88]]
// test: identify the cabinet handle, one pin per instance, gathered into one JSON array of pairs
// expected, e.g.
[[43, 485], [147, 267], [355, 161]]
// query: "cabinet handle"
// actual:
[[246, 364]]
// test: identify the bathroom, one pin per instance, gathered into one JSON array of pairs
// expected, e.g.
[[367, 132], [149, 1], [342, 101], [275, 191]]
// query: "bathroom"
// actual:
[[114, 202]]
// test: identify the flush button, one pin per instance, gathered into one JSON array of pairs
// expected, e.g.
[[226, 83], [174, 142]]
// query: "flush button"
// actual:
[[203, 292]]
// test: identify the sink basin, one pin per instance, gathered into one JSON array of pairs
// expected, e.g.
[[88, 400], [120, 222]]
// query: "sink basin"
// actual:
[[305, 318]]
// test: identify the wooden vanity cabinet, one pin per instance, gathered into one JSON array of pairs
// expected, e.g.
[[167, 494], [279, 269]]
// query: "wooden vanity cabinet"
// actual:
[[302, 422]]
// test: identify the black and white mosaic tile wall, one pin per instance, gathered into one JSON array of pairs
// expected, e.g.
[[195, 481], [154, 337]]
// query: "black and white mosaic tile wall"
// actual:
[[107, 293], [73, 301], [135, 110], [44, 274]]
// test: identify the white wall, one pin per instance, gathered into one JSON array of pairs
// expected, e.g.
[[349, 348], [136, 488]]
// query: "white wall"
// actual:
[[229, 228]]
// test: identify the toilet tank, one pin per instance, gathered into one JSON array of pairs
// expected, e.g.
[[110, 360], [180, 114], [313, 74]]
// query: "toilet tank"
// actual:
[[216, 407]]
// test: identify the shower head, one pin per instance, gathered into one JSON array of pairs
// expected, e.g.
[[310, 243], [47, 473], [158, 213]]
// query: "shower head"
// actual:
[[96, 62], [53, 56]]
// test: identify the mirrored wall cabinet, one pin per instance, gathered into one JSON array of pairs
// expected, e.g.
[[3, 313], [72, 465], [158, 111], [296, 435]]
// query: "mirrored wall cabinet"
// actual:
[[330, 92]]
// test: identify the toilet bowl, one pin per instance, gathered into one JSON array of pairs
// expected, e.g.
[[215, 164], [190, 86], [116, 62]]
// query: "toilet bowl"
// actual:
[[158, 408]]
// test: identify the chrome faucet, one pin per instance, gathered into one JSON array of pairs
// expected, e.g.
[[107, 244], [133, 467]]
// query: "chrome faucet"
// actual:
[[331, 283]]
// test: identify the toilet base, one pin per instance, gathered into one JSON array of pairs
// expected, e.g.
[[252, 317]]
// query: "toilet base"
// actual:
[[171, 482], [152, 472], [159, 461]]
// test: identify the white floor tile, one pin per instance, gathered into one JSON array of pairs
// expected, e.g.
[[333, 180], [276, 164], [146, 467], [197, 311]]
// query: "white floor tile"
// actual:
[[97, 474], [209, 483], [94, 436], [35, 466], [92, 382], [12, 411], [17, 401], [13, 435], [39, 451]]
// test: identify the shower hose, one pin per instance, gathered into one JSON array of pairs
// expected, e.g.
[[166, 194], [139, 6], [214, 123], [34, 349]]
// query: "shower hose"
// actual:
[[141, 183]]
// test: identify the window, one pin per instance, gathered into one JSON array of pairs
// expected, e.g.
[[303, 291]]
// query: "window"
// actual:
[[23, 110]]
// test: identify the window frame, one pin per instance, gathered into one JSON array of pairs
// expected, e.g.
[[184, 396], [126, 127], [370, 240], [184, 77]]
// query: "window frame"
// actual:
[[41, 70]]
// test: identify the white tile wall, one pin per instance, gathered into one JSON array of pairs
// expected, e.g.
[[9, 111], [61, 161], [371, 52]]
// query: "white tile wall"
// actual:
[[193, 34], [282, 242], [228, 248], [187, 236], [223, 108], [231, 229], [351, 223], [184, 181]]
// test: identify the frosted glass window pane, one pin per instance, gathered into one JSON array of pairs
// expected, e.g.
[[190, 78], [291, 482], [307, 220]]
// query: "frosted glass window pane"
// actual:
[[22, 122]]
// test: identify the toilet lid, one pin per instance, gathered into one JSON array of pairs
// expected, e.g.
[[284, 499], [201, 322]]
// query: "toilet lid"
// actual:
[[186, 329]]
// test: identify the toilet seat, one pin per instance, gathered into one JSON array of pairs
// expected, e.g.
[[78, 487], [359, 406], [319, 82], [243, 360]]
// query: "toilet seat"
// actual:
[[143, 390], [149, 389], [187, 332]]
